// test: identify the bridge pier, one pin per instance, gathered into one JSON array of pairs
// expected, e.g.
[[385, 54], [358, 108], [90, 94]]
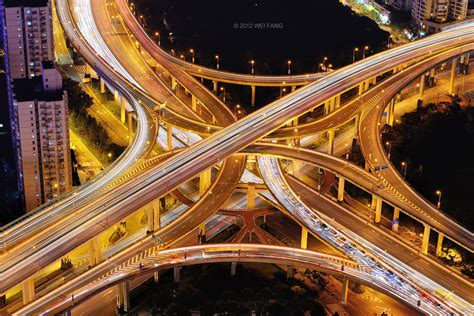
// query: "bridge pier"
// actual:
[[202, 233], [464, 64], [177, 274], [396, 219], [252, 102], [296, 168], [289, 272], [251, 196], [193, 103], [453, 76], [94, 251], [122, 291], [28, 290], [293, 88], [174, 84], [153, 215], [421, 90], [364, 86], [331, 135], [102, 85], [233, 268], [156, 276], [390, 112], [204, 181], [439, 244], [3, 300], [377, 207], [340, 189], [304, 238], [214, 86], [169, 138], [344, 291], [426, 240]]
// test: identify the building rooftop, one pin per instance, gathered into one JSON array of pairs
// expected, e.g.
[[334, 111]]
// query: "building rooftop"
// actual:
[[26, 3], [32, 89]]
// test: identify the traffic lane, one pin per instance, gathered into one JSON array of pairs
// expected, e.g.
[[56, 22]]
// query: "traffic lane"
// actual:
[[374, 235]]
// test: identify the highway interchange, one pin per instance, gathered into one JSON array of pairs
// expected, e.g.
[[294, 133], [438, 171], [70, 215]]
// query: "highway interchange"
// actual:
[[114, 195]]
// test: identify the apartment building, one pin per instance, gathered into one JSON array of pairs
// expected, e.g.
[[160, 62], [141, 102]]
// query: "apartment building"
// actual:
[[42, 135]]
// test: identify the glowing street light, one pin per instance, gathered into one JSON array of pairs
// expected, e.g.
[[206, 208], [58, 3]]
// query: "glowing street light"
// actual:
[[289, 67], [354, 54], [366, 48], [157, 34], [223, 94], [192, 54], [439, 194], [404, 166], [217, 62], [183, 57], [252, 63], [389, 144]]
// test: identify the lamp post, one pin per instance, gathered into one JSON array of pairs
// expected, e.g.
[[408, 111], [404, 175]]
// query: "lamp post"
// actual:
[[439, 194], [192, 54], [183, 57], [237, 107], [157, 34], [217, 62], [289, 67], [366, 48], [354, 54], [223, 94], [252, 63], [325, 59], [404, 166], [389, 144]]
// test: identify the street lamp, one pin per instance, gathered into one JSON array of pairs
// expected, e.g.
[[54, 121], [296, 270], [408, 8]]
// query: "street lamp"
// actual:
[[354, 54], [366, 48], [252, 63], [237, 107], [223, 94], [289, 67], [157, 34], [183, 57], [439, 193], [217, 61], [325, 59], [389, 144], [320, 67], [404, 166], [192, 52]]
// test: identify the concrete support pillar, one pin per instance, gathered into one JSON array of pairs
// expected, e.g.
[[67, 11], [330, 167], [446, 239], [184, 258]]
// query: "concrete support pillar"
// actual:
[[252, 102], [293, 88], [126, 296], [177, 274], [102, 85], [194, 103], [150, 219], [119, 296], [233, 268], [130, 125], [204, 181], [214, 86], [202, 230], [156, 206], [116, 95], [378, 210], [421, 88], [391, 112], [331, 134], [363, 86], [251, 196], [337, 101], [169, 138], [432, 80], [396, 219], [344, 291], [28, 290], [122, 110], [94, 251], [439, 245], [156, 276], [304, 238], [174, 83], [453, 75], [426, 240], [340, 189]]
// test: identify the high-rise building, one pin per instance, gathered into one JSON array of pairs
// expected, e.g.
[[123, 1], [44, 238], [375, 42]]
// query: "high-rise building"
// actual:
[[434, 13], [42, 136], [28, 36]]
